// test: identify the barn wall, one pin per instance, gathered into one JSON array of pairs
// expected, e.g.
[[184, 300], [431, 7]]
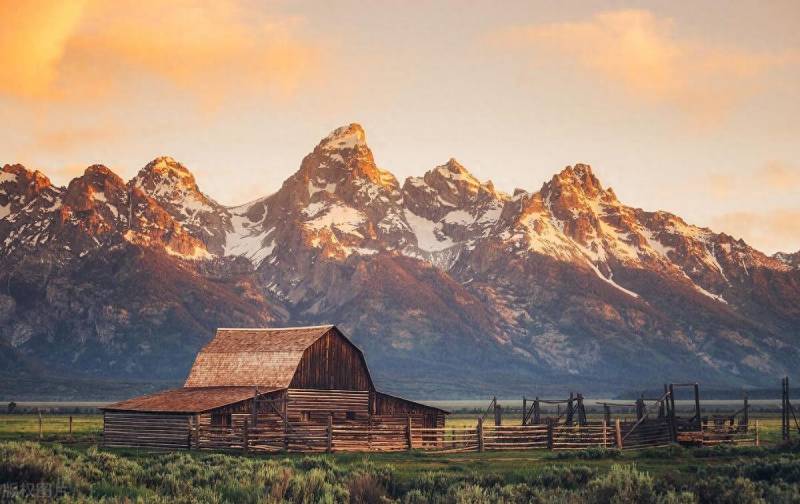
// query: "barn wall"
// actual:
[[270, 409], [331, 363], [389, 409], [146, 430], [314, 406]]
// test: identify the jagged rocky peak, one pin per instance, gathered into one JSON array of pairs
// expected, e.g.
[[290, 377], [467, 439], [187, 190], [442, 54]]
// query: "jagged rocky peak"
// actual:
[[344, 157], [347, 137], [579, 180], [18, 173], [97, 187], [17, 183], [454, 180], [174, 187], [788, 258], [445, 188], [576, 197], [162, 172]]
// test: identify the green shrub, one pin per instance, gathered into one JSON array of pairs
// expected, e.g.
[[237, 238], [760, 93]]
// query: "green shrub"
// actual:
[[623, 484], [571, 477], [27, 462], [724, 450], [365, 488], [588, 454], [275, 480], [666, 452], [720, 490], [470, 494], [415, 496], [313, 487], [96, 466], [677, 498]]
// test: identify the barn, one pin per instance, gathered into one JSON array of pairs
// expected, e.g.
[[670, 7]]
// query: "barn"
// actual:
[[280, 388]]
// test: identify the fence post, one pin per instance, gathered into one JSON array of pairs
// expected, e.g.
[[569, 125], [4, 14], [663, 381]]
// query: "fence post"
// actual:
[[409, 438], [480, 434], [785, 408], [673, 429], [605, 434], [40, 424], [195, 432], [70, 426], [570, 410], [330, 433], [618, 433], [524, 410], [550, 435], [246, 435], [189, 436], [697, 406], [758, 440]]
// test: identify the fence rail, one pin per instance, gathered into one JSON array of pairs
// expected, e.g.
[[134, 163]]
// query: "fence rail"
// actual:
[[366, 437]]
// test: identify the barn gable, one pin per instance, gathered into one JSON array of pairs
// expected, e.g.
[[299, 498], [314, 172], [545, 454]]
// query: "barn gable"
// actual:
[[302, 357], [332, 363]]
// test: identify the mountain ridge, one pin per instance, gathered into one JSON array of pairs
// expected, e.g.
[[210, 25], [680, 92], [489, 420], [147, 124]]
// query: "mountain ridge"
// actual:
[[440, 272]]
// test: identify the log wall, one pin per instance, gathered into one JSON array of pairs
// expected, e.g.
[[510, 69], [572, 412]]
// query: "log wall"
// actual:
[[315, 405], [146, 430]]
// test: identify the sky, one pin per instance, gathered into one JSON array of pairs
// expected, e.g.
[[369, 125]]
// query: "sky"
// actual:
[[689, 107]]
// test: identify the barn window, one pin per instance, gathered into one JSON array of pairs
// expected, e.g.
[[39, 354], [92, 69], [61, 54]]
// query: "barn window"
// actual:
[[221, 419], [351, 415]]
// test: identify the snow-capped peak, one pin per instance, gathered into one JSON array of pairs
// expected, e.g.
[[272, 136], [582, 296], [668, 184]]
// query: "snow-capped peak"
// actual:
[[345, 137]]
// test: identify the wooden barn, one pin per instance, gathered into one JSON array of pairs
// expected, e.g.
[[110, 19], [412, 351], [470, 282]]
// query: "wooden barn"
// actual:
[[286, 388]]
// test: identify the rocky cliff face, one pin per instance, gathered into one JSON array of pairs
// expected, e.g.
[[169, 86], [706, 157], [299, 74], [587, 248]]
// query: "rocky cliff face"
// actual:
[[450, 286]]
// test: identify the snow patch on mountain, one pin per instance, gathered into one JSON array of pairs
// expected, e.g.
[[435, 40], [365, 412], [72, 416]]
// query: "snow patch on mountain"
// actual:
[[326, 215], [430, 237], [610, 280], [7, 177]]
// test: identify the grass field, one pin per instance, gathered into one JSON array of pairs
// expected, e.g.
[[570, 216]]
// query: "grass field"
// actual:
[[770, 473]]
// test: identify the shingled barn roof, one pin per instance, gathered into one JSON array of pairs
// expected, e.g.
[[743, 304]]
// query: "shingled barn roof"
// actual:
[[266, 358], [185, 400]]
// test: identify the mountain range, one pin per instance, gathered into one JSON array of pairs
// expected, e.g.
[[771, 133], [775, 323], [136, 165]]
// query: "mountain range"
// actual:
[[452, 287]]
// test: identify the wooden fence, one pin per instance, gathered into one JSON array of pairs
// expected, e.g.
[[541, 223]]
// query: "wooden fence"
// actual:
[[367, 437]]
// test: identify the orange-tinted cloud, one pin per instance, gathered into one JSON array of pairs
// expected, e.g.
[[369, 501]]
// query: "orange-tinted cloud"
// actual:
[[640, 52], [780, 176], [776, 230], [33, 39], [65, 140], [774, 177], [721, 186], [212, 50]]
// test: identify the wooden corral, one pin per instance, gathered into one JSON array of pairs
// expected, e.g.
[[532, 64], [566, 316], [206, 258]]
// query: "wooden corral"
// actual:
[[272, 389]]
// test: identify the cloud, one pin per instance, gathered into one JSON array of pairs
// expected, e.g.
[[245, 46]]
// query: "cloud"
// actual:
[[65, 50], [778, 230], [68, 139], [721, 186], [773, 177], [640, 52], [780, 176], [32, 42]]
